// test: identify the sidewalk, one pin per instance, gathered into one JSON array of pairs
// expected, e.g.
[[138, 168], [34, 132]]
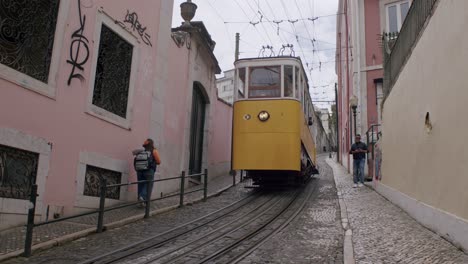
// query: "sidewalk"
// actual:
[[383, 233], [12, 240]]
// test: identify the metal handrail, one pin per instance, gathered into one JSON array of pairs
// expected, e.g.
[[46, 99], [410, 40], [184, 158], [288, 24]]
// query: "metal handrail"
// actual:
[[143, 181], [371, 130], [102, 198]]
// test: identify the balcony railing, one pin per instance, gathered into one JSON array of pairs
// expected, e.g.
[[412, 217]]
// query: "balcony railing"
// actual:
[[397, 47]]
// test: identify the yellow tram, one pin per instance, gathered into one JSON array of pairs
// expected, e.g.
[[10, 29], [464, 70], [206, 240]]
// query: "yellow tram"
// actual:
[[273, 112]]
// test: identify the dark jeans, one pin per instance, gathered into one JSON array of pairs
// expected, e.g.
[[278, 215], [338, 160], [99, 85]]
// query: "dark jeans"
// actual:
[[358, 168], [142, 187]]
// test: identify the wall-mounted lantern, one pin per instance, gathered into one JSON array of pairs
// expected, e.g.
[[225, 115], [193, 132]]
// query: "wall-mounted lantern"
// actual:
[[353, 103]]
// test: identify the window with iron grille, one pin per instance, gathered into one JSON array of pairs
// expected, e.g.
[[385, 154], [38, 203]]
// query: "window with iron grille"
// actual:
[[93, 182], [113, 70], [18, 169], [27, 30]]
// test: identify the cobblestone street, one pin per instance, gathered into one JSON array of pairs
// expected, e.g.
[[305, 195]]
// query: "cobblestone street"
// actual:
[[96, 244], [316, 236], [12, 240], [383, 233]]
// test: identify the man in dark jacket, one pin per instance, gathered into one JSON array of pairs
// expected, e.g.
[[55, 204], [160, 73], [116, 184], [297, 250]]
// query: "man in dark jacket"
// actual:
[[359, 150]]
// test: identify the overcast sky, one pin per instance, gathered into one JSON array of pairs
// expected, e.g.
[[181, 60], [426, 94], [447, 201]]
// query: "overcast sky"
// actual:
[[298, 22]]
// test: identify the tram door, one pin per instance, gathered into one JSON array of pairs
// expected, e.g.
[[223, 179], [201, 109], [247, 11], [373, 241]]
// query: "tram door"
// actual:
[[196, 132]]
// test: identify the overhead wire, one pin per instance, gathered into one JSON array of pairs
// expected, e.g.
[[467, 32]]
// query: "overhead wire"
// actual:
[[245, 13], [291, 23], [282, 38], [221, 18], [260, 20]]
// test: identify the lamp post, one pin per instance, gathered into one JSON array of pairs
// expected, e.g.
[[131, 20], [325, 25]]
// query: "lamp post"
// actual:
[[353, 103]]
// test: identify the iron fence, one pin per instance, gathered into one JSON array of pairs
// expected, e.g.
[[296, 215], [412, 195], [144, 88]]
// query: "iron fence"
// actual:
[[103, 189], [373, 135], [397, 47]]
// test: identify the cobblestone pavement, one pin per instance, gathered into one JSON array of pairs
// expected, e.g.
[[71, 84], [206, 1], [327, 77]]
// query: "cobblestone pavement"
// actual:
[[13, 239], [113, 239], [316, 236], [383, 233]]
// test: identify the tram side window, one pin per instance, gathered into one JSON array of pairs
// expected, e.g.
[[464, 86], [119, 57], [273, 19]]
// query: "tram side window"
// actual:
[[288, 81], [298, 83], [241, 83], [264, 82]]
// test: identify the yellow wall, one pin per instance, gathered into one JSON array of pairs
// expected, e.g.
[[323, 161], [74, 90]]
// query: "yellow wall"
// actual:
[[431, 167]]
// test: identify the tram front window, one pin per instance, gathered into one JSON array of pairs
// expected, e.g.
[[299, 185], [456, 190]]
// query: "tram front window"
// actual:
[[265, 82]]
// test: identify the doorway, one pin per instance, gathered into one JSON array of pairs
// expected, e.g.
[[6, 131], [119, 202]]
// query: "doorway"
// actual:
[[197, 127]]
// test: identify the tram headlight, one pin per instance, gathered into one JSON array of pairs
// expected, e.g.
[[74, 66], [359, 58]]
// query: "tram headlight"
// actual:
[[263, 116]]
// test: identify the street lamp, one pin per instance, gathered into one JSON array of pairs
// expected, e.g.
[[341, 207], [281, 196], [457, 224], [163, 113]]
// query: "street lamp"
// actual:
[[353, 102], [187, 10]]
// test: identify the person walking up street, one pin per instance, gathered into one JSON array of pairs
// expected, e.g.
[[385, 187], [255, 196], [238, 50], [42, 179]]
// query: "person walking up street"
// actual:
[[145, 163], [359, 150]]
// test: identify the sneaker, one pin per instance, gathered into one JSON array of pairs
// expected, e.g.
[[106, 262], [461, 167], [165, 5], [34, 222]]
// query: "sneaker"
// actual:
[[355, 185], [141, 203], [360, 185]]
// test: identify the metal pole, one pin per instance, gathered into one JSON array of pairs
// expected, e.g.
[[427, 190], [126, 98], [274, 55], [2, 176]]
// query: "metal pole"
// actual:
[[102, 202], [233, 178], [337, 133], [30, 226], [237, 46], [182, 186], [148, 198], [242, 174], [354, 115], [205, 187]]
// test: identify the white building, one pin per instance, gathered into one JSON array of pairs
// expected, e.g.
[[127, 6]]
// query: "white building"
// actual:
[[225, 86], [325, 117]]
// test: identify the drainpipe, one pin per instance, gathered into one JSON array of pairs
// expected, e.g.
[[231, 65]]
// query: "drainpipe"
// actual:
[[358, 55], [337, 120], [347, 81]]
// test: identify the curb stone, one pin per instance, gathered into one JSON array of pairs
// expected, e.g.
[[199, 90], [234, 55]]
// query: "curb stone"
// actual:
[[348, 251], [83, 233]]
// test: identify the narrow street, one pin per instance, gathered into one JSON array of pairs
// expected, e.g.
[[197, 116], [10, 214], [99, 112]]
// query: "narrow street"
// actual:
[[172, 131], [381, 232], [314, 236]]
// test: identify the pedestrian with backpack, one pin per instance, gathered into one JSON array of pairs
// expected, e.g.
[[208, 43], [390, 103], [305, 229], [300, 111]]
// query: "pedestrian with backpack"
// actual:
[[145, 163]]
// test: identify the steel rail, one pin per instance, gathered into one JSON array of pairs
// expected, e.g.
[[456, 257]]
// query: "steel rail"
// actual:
[[162, 243], [250, 234], [133, 245], [258, 214], [276, 231]]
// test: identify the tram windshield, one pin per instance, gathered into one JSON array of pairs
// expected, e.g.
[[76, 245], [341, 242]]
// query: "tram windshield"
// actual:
[[265, 82]]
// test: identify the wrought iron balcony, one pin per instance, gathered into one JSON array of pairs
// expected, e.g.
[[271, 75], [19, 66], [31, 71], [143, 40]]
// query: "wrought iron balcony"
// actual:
[[397, 46]]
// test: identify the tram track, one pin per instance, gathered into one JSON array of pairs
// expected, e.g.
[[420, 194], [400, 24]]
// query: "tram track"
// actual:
[[233, 241], [172, 234], [225, 236], [216, 234], [241, 247]]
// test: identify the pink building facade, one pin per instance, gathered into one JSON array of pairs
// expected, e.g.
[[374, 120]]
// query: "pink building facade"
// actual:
[[359, 59], [84, 83]]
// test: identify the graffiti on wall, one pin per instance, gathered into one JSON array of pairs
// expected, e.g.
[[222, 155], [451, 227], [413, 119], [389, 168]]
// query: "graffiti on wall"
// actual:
[[135, 25], [79, 49]]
